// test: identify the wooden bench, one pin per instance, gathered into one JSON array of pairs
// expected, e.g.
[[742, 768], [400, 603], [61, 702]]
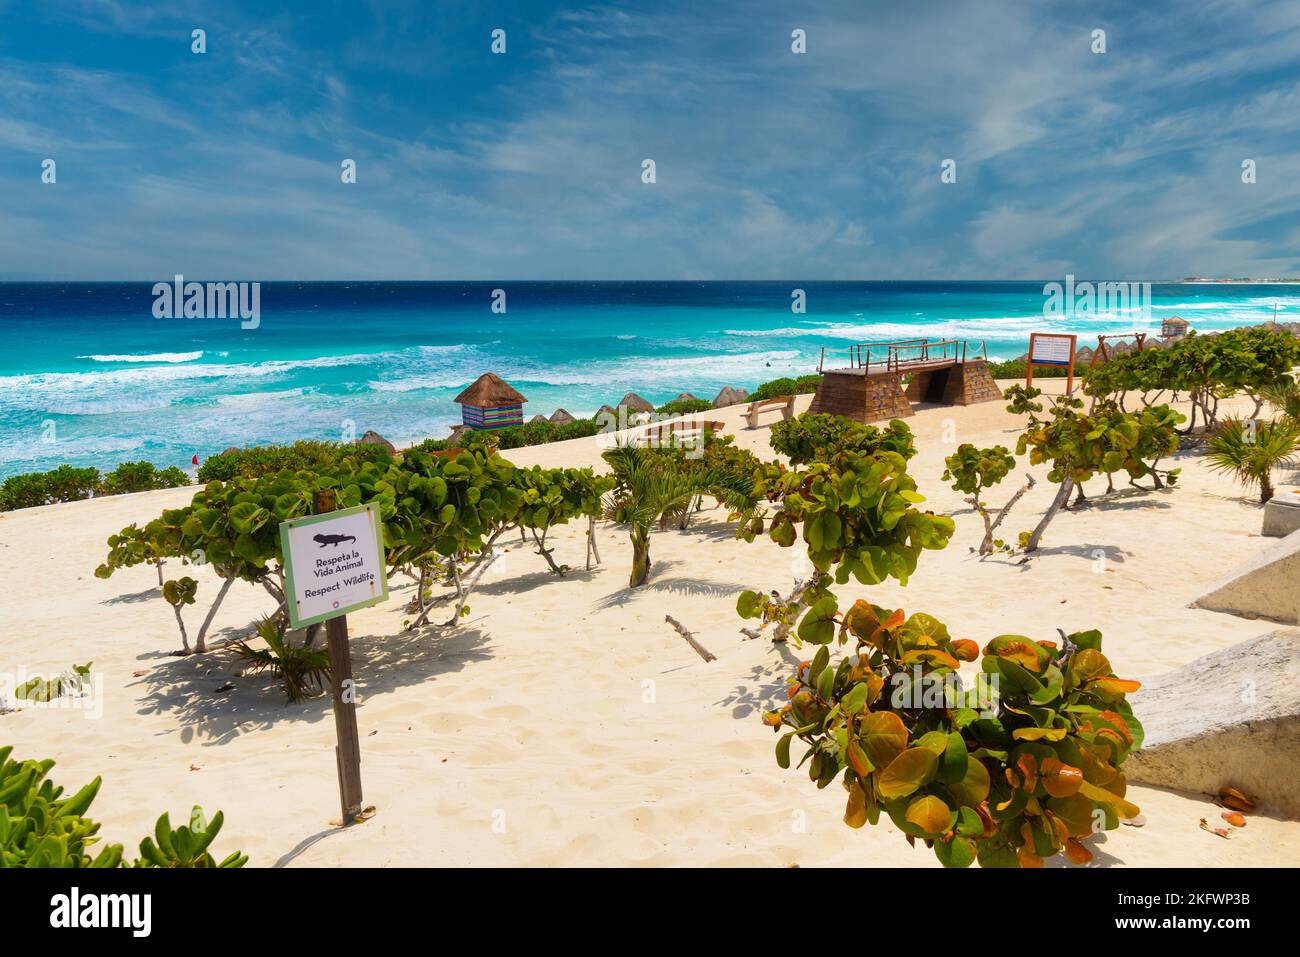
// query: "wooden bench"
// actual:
[[783, 402], [665, 432]]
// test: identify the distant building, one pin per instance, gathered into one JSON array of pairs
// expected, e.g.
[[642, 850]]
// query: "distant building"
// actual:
[[491, 403], [1173, 328]]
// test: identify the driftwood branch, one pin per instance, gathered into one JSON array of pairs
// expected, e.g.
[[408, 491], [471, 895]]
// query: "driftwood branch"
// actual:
[[690, 640]]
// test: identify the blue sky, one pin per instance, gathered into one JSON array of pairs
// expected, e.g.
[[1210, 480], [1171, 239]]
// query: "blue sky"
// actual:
[[770, 165]]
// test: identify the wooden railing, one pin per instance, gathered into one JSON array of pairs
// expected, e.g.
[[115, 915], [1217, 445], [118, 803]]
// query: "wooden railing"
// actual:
[[901, 354]]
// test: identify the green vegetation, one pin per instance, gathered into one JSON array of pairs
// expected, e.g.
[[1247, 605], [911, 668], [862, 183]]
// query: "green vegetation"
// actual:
[[440, 516], [1079, 446], [303, 670], [685, 407], [63, 484], [1022, 767], [819, 437], [651, 487], [1021, 399], [71, 682], [1017, 369], [1018, 769], [306, 454], [974, 471], [1250, 449], [41, 828], [801, 385], [1251, 360], [141, 477]]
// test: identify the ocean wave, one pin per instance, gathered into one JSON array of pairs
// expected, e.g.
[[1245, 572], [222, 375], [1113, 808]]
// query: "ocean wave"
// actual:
[[149, 357]]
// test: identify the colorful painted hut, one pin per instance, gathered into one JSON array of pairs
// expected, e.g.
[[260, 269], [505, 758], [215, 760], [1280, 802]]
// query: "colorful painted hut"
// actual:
[[1175, 327], [491, 403]]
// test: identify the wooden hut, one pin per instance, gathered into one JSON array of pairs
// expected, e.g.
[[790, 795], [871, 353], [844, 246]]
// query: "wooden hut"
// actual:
[[562, 417], [491, 403], [635, 403], [1175, 327]]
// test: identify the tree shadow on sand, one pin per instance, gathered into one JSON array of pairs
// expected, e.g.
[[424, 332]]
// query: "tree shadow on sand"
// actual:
[[764, 685], [212, 701], [134, 597], [660, 586]]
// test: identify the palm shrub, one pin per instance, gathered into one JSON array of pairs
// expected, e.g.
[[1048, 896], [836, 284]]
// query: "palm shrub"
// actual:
[[302, 669], [63, 484], [39, 827], [1250, 449], [649, 487]]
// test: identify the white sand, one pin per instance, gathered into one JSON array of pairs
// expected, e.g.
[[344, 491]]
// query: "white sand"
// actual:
[[564, 722]]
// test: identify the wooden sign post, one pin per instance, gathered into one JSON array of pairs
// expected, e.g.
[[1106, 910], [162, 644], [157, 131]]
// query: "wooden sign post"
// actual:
[[1051, 349], [334, 563]]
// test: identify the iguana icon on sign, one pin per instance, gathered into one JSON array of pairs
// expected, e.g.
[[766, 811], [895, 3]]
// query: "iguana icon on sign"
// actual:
[[334, 540]]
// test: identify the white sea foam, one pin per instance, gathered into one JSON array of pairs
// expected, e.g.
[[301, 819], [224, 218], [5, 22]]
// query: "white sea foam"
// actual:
[[149, 357]]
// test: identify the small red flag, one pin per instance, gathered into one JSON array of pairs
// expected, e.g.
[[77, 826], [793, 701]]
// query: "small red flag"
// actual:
[[195, 460]]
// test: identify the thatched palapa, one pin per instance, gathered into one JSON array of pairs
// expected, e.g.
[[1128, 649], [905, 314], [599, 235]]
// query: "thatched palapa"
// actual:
[[491, 403]]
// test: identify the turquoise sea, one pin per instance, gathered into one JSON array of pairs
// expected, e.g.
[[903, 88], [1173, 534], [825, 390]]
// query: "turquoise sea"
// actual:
[[89, 376]]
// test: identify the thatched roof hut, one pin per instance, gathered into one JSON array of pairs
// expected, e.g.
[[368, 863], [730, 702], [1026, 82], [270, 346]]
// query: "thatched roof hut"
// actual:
[[729, 396], [635, 403], [374, 438], [538, 418], [1173, 327], [561, 417], [491, 403]]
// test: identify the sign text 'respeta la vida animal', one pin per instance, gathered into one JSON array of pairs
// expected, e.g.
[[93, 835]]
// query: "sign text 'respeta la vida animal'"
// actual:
[[334, 563]]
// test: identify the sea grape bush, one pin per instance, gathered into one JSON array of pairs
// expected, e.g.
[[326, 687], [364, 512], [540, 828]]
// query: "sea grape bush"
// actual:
[[440, 516], [141, 477], [1079, 446], [1023, 766], [1007, 779], [1208, 368], [1021, 401], [63, 484], [304, 455], [684, 407], [973, 471], [39, 827], [800, 385], [818, 437], [857, 517]]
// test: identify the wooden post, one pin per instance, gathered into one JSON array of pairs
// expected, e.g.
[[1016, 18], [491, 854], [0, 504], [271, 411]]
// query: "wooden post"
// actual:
[[347, 752]]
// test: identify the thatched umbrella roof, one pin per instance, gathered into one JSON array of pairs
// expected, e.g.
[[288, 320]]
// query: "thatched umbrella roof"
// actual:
[[729, 396], [374, 438], [562, 417], [538, 418], [635, 403], [686, 397], [606, 408], [490, 391]]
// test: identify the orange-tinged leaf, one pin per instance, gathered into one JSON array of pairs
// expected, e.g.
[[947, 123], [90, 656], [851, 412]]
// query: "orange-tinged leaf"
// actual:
[[1122, 808], [929, 813], [1237, 800], [965, 650], [1112, 686], [1039, 734], [934, 656], [1059, 778], [1235, 818], [1028, 766], [1028, 858], [861, 763], [1076, 852], [883, 736], [907, 772], [1022, 653], [772, 719], [855, 812]]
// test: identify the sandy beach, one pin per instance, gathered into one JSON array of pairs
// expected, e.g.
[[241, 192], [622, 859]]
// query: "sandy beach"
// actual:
[[563, 722]]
